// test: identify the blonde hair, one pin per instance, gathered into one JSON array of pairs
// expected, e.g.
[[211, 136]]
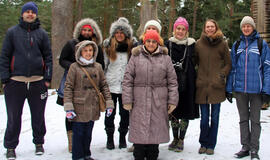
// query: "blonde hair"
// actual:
[[218, 32]]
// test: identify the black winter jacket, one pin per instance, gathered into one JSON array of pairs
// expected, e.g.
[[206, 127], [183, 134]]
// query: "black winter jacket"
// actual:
[[26, 51], [67, 56]]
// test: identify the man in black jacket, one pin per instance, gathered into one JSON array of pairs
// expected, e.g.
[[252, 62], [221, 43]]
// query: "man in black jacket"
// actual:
[[26, 72]]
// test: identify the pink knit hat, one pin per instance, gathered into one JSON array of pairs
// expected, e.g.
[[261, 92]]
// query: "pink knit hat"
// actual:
[[180, 21]]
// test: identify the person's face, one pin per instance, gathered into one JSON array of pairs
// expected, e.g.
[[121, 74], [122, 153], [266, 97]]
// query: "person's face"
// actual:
[[119, 36], [180, 32], [151, 45], [151, 28], [210, 28], [86, 32], [247, 29], [29, 16], [87, 52]]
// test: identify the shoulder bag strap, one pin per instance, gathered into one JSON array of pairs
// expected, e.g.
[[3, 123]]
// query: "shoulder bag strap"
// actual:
[[186, 66], [90, 79]]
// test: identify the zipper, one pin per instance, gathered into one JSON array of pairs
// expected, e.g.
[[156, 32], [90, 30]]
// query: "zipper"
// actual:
[[246, 65]]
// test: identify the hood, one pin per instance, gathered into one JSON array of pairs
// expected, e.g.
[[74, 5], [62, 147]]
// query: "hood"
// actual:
[[93, 24], [79, 47], [140, 49]]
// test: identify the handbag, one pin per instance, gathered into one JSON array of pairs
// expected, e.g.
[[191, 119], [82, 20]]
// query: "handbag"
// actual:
[[181, 71], [102, 103]]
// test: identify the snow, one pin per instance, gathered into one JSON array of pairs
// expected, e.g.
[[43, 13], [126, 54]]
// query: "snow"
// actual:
[[56, 139]]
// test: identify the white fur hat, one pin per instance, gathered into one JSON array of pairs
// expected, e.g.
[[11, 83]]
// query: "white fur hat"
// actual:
[[153, 23]]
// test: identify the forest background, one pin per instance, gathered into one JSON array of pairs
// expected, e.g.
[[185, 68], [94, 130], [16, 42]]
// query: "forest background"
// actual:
[[228, 14]]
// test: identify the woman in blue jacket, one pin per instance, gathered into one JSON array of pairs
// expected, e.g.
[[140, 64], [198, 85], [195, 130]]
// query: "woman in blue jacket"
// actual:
[[250, 80]]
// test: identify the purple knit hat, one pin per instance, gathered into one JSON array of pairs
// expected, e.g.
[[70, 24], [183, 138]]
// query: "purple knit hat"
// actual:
[[180, 21]]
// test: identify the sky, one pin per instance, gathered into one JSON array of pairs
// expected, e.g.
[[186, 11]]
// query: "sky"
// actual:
[[55, 145]]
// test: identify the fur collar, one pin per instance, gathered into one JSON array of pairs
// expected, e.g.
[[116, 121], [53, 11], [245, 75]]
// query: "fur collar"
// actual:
[[183, 42]]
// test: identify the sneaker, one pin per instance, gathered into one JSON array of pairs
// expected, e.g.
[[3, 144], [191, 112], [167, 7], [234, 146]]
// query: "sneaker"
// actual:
[[241, 154], [39, 149], [202, 150], [254, 155], [179, 146], [88, 158], [209, 151], [173, 145], [11, 155]]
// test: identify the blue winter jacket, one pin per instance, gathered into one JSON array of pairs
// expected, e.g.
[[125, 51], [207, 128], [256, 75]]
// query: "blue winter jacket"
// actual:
[[26, 51], [250, 71]]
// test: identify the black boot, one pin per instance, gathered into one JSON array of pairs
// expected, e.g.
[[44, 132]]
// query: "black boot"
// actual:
[[110, 142], [122, 138]]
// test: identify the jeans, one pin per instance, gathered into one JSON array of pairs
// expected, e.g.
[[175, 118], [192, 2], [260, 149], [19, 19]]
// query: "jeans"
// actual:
[[208, 135], [81, 139]]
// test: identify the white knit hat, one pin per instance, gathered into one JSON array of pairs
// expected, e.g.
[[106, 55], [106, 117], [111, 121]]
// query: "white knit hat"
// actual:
[[247, 20], [153, 23]]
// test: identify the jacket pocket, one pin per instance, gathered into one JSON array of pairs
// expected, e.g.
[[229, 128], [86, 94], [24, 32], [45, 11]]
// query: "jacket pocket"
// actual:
[[219, 81], [79, 105]]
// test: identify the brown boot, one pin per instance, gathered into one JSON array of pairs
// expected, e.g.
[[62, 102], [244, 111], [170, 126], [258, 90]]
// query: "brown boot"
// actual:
[[69, 135]]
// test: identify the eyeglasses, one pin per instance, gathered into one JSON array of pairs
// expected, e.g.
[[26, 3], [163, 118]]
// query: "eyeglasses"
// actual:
[[151, 41]]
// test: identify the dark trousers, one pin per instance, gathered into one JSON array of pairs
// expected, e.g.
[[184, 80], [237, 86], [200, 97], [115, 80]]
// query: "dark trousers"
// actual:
[[249, 109], [15, 94], [81, 139], [124, 114], [148, 151], [208, 135]]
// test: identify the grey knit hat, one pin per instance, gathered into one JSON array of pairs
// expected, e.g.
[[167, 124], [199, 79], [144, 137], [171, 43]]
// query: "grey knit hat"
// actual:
[[123, 25], [247, 20]]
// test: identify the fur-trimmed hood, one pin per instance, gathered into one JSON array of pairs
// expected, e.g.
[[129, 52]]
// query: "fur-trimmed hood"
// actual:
[[79, 47], [122, 24], [93, 24], [140, 49]]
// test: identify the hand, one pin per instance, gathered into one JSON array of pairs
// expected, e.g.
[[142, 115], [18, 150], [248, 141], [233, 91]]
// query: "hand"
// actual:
[[47, 84], [109, 112], [127, 107], [229, 96], [3, 86], [265, 98], [171, 107], [70, 114]]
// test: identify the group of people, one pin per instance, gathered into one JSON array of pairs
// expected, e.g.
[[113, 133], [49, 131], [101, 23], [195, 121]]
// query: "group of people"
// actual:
[[151, 82]]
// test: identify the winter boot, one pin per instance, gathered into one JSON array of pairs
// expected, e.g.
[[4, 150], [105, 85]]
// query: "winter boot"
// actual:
[[69, 135], [179, 146], [122, 138], [110, 142], [175, 131], [172, 146]]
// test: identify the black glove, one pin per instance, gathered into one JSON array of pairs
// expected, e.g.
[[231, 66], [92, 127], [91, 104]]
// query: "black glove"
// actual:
[[229, 96], [265, 98]]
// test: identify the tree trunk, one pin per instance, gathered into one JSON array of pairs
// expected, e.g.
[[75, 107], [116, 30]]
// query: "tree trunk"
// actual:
[[171, 18], [194, 17], [148, 11], [62, 26], [120, 7]]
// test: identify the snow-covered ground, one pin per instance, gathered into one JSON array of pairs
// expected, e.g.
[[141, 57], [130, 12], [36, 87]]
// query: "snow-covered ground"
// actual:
[[56, 139]]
